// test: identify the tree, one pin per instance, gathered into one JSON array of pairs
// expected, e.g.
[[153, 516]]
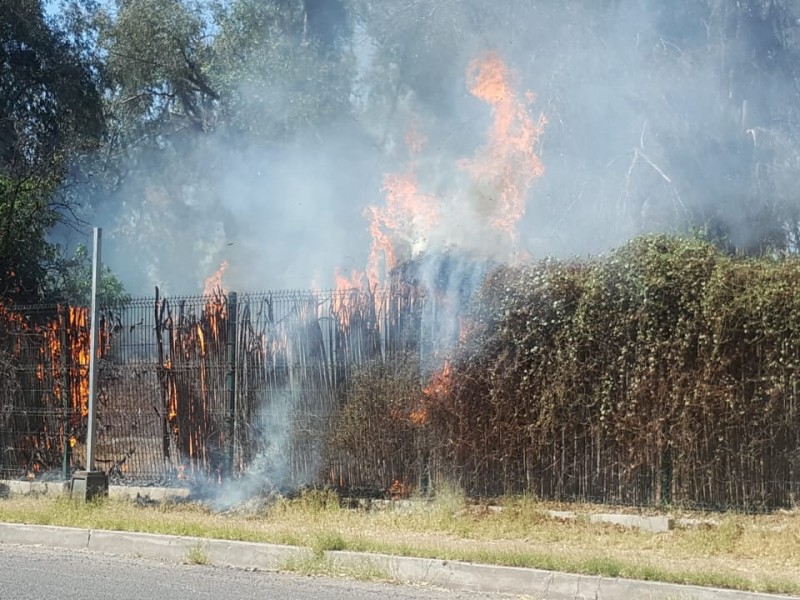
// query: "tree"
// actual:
[[49, 102], [71, 281], [26, 215], [283, 66], [50, 113]]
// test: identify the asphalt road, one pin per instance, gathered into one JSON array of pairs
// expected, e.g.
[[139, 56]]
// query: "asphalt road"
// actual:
[[35, 573]]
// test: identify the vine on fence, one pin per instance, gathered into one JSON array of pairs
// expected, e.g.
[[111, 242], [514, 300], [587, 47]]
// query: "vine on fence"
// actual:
[[663, 372]]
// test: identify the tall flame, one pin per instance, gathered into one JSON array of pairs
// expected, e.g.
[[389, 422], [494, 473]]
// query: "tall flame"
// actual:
[[79, 355], [508, 164], [402, 227], [500, 173], [213, 283]]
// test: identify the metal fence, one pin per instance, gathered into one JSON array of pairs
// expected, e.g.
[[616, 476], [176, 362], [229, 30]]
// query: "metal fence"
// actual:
[[201, 387], [305, 387], [43, 388], [211, 386]]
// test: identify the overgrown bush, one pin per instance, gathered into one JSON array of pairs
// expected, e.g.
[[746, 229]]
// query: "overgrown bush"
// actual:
[[665, 371], [377, 442]]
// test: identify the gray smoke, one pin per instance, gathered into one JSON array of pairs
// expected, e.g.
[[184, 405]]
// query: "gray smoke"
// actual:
[[661, 117]]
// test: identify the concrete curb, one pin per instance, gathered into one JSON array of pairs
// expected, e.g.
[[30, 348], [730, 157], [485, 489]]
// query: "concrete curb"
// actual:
[[533, 583]]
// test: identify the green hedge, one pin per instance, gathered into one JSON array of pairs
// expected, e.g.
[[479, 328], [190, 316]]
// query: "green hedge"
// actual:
[[662, 372]]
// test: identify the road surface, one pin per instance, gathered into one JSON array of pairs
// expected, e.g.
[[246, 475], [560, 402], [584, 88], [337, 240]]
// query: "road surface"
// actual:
[[34, 573]]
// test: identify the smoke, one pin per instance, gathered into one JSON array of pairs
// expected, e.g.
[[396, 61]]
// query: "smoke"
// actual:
[[653, 125], [268, 473], [660, 117]]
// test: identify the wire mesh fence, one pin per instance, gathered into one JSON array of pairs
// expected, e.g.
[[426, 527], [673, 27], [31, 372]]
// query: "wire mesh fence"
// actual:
[[211, 386], [43, 388], [343, 388]]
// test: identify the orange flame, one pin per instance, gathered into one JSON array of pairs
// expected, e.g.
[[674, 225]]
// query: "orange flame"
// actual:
[[213, 283], [346, 287], [505, 168], [79, 355], [172, 391], [418, 416], [215, 307], [402, 226], [500, 173], [440, 382]]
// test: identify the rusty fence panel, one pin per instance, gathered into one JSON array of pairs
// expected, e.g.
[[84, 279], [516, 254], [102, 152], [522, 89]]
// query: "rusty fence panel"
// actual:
[[196, 388], [44, 363]]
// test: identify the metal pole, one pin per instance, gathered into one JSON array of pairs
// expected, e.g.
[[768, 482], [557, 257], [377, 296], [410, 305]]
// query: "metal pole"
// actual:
[[92, 431], [65, 391], [230, 380]]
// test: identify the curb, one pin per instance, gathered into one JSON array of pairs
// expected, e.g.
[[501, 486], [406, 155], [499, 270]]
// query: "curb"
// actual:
[[56, 488], [454, 575]]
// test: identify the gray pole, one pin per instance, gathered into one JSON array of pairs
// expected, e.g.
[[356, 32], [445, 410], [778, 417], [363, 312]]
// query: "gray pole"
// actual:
[[92, 432]]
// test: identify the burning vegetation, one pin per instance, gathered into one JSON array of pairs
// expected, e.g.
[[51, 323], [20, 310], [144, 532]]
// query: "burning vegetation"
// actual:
[[45, 351], [639, 377]]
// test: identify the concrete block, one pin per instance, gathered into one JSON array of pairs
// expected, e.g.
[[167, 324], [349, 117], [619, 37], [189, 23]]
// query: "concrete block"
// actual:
[[34, 535], [57, 488], [250, 555], [16, 488], [38, 487], [11, 487], [652, 524], [143, 545], [88, 485]]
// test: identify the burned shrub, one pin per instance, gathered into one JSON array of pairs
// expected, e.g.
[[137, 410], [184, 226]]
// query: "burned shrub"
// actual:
[[377, 443]]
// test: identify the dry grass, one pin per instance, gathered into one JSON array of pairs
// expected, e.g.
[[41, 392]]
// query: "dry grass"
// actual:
[[757, 553]]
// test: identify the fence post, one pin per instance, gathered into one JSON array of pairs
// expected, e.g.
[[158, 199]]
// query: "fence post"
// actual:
[[66, 402], [92, 482], [230, 379], [666, 477]]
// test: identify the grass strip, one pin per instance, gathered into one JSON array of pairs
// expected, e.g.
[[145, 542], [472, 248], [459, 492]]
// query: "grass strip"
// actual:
[[760, 554]]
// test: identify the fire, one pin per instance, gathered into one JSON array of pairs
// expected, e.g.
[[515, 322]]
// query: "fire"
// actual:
[[215, 307], [399, 490], [346, 287], [440, 382], [505, 168], [411, 220], [213, 283], [408, 218], [355, 281], [172, 391], [418, 416], [401, 228], [201, 338], [439, 385], [79, 355]]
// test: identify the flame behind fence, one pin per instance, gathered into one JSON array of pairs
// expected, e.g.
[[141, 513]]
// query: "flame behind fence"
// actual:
[[193, 387], [329, 387]]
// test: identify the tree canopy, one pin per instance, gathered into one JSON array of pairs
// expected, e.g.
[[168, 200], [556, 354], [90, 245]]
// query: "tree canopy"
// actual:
[[177, 121]]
